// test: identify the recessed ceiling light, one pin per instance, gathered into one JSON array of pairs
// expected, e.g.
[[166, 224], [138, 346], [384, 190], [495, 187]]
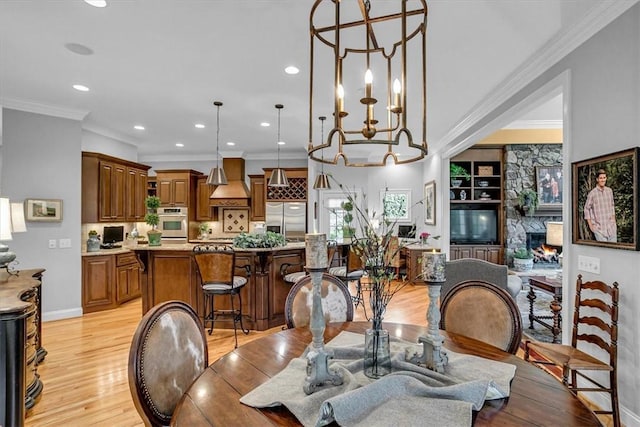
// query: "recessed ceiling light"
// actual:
[[291, 70], [80, 49], [138, 127], [179, 144], [281, 143], [199, 126], [231, 144], [96, 3], [265, 124], [81, 88]]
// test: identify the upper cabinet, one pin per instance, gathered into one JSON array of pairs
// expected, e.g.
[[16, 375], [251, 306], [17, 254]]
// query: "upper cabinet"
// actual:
[[177, 187], [258, 205], [113, 190]]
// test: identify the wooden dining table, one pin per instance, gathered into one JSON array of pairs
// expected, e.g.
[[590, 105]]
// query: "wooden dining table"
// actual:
[[213, 399]]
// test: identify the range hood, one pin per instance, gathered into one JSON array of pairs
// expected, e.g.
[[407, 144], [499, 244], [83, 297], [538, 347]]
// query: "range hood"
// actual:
[[236, 192]]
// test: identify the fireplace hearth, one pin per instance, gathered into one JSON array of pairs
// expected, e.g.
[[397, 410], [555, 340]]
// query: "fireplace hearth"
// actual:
[[544, 256]]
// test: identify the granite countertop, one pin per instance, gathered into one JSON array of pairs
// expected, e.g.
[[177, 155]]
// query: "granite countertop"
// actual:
[[189, 247], [116, 251]]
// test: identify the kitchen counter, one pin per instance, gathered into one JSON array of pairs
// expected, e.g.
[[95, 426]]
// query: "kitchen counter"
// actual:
[[170, 273]]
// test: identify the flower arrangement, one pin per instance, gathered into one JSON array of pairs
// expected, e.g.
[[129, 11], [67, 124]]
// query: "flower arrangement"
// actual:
[[424, 237], [252, 240]]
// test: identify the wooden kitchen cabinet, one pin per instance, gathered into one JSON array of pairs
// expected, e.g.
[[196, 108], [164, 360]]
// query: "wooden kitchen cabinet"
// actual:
[[491, 253], [127, 277], [258, 197], [97, 283], [113, 190], [204, 210], [177, 187]]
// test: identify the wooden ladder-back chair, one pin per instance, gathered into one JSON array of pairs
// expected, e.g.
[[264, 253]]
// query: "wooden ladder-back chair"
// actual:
[[336, 301], [217, 268], [483, 311], [168, 352], [597, 326]]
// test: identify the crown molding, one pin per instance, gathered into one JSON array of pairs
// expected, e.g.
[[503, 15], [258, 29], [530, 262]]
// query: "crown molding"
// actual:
[[45, 109], [535, 124], [599, 16], [109, 133]]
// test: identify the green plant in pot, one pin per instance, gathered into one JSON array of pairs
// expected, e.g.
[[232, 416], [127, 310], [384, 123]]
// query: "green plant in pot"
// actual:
[[522, 259], [347, 229], [528, 201], [457, 173], [152, 218]]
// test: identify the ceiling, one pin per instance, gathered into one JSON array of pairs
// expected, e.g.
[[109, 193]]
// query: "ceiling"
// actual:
[[162, 63]]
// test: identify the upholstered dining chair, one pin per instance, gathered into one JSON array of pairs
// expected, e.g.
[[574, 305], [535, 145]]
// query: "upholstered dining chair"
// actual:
[[351, 270], [483, 311], [595, 323], [461, 270], [217, 268], [168, 352], [336, 301]]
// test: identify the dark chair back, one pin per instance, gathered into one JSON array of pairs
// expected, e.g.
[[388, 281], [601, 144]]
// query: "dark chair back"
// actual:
[[483, 311], [168, 352], [216, 263]]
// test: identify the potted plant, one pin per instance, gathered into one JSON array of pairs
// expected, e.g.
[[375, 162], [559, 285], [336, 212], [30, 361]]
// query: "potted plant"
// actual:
[[347, 229], [152, 218], [522, 259], [528, 201], [457, 173], [203, 228]]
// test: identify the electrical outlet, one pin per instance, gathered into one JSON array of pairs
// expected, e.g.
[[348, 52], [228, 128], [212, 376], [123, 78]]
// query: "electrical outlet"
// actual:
[[52, 243], [589, 264], [65, 243]]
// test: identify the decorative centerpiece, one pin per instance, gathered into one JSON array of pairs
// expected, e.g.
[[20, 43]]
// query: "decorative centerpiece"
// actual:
[[424, 238], [316, 263], [373, 246], [152, 218], [267, 239]]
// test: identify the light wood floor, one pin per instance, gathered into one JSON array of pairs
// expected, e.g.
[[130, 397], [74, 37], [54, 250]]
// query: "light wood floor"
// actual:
[[85, 371]]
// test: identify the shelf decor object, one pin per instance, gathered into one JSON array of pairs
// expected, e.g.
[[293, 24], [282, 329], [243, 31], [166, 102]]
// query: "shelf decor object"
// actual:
[[318, 373], [433, 355], [217, 175], [11, 221], [389, 43]]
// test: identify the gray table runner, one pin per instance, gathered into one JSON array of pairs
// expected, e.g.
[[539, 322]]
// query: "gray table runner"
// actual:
[[409, 396]]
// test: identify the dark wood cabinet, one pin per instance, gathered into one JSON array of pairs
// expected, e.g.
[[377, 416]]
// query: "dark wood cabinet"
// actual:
[[204, 210], [127, 277], [491, 253], [113, 190], [258, 197], [177, 188], [97, 283]]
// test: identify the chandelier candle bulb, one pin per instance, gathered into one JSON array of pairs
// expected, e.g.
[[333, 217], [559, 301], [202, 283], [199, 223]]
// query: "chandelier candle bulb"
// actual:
[[368, 83], [316, 250], [433, 264], [340, 93], [396, 93]]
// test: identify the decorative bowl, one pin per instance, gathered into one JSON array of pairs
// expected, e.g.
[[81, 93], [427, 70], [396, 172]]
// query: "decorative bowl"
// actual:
[[483, 183]]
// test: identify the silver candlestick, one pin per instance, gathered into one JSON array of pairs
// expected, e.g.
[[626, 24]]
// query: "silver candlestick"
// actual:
[[433, 355]]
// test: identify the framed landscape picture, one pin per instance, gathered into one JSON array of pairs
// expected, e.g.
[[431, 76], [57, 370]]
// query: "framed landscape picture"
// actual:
[[605, 200], [430, 203], [43, 209]]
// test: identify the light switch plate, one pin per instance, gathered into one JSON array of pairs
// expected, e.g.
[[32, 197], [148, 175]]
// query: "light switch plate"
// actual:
[[65, 243], [52, 243], [589, 264]]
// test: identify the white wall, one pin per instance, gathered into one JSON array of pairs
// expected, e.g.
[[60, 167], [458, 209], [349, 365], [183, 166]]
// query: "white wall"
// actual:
[[97, 143], [41, 159], [602, 101]]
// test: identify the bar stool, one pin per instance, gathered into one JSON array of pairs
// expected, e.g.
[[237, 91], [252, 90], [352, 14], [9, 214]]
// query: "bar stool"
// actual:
[[216, 266], [292, 273]]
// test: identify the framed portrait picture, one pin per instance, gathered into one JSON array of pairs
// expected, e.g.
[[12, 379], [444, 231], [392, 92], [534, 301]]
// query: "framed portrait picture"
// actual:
[[605, 200], [396, 204], [43, 209], [430, 203], [549, 186]]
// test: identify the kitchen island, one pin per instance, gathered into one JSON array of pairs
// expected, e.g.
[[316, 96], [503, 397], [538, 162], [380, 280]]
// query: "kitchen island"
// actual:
[[169, 272]]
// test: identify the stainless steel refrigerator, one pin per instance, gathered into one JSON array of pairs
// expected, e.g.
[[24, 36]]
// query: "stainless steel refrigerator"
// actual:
[[288, 218]]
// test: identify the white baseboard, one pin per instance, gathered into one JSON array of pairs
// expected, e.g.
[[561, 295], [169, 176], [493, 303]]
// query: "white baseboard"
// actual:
[[61, 314]]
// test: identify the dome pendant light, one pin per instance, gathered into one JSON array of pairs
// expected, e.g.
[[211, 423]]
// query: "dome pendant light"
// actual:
[[278, 176], [217, 175], [322, 180]]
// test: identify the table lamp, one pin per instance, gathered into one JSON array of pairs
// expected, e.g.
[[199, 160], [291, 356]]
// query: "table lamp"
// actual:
[[11, 221], [554, 236]]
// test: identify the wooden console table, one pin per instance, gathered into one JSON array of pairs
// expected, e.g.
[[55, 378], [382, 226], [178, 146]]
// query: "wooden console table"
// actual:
[[553, 287]]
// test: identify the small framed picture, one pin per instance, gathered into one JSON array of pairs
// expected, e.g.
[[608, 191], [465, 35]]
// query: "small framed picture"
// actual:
[[396, 204], [549, 186], [430, 203], [43, 209], [605, 200]]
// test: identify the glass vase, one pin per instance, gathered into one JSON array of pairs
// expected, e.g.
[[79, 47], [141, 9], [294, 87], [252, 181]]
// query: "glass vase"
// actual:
[[377, 353]]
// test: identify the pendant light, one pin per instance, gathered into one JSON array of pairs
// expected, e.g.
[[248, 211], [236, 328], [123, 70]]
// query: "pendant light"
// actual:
[[217, 175], [322, 180], [278, 176]]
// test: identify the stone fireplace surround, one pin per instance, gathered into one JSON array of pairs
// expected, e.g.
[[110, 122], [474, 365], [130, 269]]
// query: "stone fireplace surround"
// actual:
[[520, 162]]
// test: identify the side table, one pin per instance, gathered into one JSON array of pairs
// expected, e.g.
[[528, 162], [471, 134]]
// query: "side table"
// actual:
[[553, 287]]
